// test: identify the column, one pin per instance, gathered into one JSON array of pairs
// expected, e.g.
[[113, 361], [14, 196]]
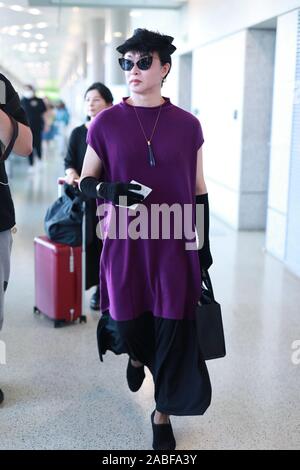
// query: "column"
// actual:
[[96, 50], [118, 32]]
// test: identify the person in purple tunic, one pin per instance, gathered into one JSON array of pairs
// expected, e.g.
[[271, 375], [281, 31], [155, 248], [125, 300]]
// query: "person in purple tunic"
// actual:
[[150, 284]]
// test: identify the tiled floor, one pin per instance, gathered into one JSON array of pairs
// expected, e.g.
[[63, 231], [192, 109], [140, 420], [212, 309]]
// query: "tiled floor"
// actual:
[[59, 396]]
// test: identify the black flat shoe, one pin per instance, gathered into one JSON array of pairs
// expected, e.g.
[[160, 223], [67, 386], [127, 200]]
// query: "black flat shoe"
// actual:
[[1, 396], [135, 376], [163, 437], [95, 300]]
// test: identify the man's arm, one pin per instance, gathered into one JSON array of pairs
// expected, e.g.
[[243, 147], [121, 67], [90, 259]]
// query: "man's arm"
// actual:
[[23, 144]]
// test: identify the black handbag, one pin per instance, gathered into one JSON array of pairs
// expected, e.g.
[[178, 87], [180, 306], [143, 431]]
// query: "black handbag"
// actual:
[[209, 323], [63, 220]]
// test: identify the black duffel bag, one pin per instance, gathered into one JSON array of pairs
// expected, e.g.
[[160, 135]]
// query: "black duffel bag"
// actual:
[[63, 220]]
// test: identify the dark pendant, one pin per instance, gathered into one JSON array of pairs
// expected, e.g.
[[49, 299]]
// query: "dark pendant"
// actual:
[[151, 156]]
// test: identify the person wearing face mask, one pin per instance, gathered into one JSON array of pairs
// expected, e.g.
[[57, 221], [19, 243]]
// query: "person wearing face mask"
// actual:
[[97, 98], [35, 109], [16, 136]]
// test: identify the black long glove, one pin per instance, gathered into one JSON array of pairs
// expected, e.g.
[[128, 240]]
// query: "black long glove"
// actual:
[[205, 258], [111, 191]]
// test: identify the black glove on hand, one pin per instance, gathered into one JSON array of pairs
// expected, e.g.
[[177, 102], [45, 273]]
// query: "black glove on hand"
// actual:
[[111, 191], [204, 254], [88, 187]]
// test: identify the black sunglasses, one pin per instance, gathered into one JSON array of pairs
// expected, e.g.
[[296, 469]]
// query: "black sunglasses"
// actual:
[[143, 64]]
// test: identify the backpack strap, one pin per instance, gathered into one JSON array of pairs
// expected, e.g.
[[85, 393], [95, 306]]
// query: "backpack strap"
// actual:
[[14, 137]]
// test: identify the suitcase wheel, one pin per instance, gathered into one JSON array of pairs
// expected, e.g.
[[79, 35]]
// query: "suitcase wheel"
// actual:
[[82, 319], [36, 311], [58, 323]]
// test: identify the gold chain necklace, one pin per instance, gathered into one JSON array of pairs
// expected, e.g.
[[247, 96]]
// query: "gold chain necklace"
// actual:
[[150, 151]]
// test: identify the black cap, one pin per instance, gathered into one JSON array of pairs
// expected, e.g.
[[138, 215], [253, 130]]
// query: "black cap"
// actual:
[[144, 40]]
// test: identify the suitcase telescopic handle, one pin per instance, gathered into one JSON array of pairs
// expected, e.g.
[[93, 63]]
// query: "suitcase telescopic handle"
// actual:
[[61, 180]]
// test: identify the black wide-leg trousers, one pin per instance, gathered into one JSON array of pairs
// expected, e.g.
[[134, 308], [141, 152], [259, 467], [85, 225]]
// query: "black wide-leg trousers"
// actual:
[[170, 350]]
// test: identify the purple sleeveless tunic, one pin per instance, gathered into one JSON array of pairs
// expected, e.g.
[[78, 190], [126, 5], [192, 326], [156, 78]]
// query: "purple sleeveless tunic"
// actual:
[[157, 275]]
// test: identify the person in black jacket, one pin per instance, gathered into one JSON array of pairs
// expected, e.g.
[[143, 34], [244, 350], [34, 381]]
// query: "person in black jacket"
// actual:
[[14, 135], [97, 98], [35, 109]]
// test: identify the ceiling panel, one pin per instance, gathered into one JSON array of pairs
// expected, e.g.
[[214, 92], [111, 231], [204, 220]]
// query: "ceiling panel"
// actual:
[[110, 3], [41, 54], [37, 46]]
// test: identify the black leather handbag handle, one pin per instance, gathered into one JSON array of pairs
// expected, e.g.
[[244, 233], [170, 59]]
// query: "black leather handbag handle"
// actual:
[[14, 137], [207, 282]]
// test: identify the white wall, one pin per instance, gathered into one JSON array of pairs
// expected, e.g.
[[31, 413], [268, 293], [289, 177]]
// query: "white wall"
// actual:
[[185, 81], [209, 20], [283, 98], [232, 96], [218, 78]]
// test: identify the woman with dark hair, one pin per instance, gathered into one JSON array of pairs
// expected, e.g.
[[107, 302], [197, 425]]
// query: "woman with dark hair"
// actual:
[[150, 285], [97, 98]]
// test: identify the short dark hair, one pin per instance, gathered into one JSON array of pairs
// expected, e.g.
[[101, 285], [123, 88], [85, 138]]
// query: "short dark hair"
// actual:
[[102, 90], [146, 41]]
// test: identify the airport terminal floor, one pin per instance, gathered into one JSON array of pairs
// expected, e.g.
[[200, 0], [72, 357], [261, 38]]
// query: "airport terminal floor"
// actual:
[[59, 396]]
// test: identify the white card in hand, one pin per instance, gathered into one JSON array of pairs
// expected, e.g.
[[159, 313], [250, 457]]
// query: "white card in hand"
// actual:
[[145, 191]]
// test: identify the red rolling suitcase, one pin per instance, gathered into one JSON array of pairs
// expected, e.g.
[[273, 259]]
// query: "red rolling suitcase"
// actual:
[[59, 280]]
